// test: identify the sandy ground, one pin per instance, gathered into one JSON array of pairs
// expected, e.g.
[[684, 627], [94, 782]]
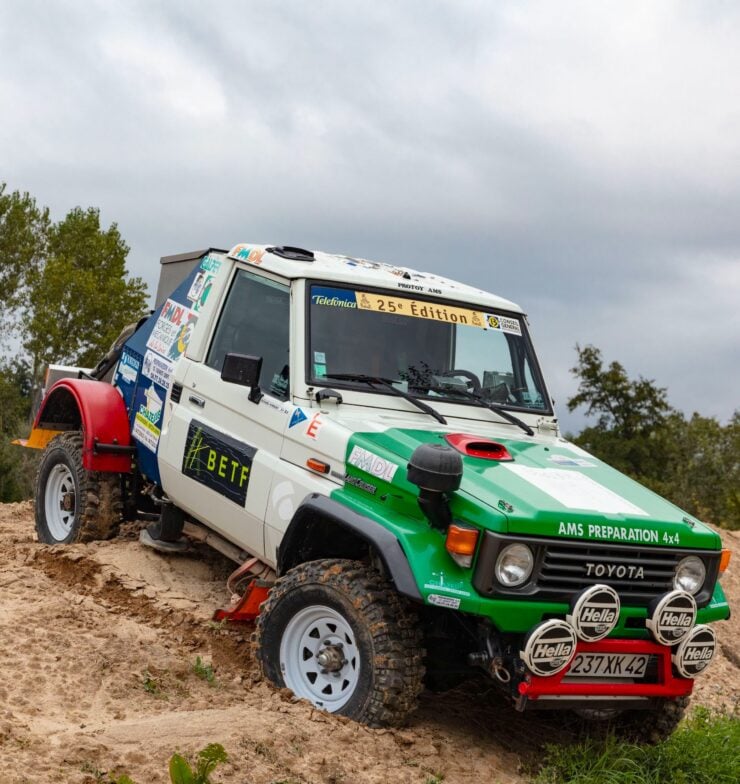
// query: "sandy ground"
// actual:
[[97, 647]]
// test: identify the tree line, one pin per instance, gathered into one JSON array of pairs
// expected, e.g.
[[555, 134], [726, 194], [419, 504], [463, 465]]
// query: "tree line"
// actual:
[[66, 295]]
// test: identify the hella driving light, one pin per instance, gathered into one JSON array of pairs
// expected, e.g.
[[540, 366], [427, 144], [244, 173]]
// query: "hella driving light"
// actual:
[[690, 574], [514, 565], [549, 647], [696, 651], [594, 612], [671, 617]]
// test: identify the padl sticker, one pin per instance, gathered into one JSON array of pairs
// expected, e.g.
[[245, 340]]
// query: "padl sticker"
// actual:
[[171, 333]]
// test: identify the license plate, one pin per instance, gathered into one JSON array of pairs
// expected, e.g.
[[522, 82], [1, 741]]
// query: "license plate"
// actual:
[[609, 665]]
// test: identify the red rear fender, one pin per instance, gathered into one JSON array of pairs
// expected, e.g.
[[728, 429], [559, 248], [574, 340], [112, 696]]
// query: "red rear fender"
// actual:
[[97, 409]]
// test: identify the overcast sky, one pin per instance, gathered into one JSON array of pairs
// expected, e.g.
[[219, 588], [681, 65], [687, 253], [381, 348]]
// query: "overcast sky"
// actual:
[[579, 158]]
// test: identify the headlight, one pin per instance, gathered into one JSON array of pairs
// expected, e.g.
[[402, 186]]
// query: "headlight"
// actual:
[[514, 565], [690, 574]]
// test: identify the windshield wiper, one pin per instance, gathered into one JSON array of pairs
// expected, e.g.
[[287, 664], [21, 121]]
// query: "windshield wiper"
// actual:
[[388, 384], [497, 409]]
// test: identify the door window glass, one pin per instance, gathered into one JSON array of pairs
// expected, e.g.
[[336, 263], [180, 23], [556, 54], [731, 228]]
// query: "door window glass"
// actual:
[[256, 320]]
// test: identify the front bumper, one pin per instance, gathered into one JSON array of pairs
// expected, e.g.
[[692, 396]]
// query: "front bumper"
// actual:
[[560, 689]]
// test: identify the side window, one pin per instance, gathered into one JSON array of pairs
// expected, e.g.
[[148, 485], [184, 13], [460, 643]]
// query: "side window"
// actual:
[[256, 320]]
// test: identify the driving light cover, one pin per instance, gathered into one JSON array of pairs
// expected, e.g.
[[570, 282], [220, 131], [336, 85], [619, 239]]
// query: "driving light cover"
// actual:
[[549, 647], [696, 652], [690, 574], [594, 612], [514, 565], [671, 617]]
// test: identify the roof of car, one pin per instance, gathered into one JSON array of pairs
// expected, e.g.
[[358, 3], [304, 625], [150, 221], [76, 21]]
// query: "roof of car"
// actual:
[[291, 262]]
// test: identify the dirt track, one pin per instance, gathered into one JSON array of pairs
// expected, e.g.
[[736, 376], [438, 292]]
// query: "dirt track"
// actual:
[[97, 647]]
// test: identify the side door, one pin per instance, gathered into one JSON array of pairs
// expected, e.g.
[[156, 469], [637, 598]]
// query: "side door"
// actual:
[[221, 450]]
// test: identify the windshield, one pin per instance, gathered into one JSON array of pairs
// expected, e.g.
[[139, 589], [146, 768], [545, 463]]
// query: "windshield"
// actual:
[[432, 350]]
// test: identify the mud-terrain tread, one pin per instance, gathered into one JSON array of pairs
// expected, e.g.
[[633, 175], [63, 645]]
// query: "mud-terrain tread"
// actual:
[[99, 498], [638, 726], [391, 622], [652, 726]]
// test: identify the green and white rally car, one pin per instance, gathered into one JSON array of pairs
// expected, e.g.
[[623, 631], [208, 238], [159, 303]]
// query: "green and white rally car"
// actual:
[[379, 446]]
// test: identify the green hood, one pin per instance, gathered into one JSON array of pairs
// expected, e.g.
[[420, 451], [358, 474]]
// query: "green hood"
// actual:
[[551, 488]]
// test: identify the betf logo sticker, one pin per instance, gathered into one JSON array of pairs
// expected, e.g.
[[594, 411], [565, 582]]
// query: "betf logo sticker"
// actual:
[[218, 461]]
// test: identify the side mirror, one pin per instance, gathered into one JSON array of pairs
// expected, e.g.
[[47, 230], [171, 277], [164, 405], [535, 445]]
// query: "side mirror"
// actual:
[[244, 370]]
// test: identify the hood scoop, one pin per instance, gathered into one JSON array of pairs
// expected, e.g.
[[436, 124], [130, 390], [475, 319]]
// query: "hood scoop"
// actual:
[[474, 446]]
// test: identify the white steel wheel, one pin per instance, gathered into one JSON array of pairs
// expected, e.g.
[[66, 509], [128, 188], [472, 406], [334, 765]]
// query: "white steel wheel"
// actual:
[[319, 658], [60, 502]]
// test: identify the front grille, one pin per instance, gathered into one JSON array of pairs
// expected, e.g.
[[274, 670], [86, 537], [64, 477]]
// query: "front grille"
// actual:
[[563, 568], [637, 575]]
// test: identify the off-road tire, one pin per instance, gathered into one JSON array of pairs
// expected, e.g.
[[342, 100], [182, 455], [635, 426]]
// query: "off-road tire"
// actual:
[[652, 726], [386, 631], [639, 726], [96, 496]]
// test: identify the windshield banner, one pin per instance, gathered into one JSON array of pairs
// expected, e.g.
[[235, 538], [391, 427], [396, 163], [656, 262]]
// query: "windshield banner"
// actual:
[[404, 306]]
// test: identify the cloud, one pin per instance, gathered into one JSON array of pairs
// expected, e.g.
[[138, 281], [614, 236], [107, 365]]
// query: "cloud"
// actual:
[[580, 158]]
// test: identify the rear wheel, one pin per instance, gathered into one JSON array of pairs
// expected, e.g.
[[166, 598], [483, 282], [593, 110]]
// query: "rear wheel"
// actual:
[[72, 503], [337, 634]]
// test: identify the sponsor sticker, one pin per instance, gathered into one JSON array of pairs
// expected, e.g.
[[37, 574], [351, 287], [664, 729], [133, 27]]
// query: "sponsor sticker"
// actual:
[[218, 461], [320, 357], [503, 323], [372, 464], [413, 308], [313, 427], [146, 428], [578, 462], [128, 368], [298, 417], [334, 298], [173, 329], [158, 369], [361, 484], [248, 253], [574, 490], [443, 601]]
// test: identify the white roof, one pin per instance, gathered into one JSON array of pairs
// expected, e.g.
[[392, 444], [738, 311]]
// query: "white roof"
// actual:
[[349, 269]]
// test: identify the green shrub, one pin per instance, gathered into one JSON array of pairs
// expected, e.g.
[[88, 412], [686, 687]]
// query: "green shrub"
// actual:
[[703, 750]]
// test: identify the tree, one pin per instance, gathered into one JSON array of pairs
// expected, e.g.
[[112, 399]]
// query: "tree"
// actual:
[[23, 227], [631, 415], [16, 465], [80, 298], [695, 463]]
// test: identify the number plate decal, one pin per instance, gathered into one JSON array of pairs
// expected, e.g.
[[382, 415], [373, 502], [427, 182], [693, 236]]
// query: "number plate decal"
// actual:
[[608, 665]]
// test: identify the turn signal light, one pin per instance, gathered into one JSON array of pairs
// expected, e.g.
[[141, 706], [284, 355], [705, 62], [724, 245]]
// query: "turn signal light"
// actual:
[[724, 560], [317, 465], [460, 543]]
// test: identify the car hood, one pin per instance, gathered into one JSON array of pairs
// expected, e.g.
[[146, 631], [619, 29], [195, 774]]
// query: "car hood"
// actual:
[[551, 488]]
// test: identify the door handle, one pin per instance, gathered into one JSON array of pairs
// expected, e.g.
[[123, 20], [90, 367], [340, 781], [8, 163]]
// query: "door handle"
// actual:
[[197, 401]]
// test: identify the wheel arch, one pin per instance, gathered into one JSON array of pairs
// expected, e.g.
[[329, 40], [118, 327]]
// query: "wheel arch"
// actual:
[[97, 409], [324, 528]]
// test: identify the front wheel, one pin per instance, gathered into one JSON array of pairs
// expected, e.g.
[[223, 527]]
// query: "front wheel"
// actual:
[[642, 726], [337, 634], [72, 503]]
